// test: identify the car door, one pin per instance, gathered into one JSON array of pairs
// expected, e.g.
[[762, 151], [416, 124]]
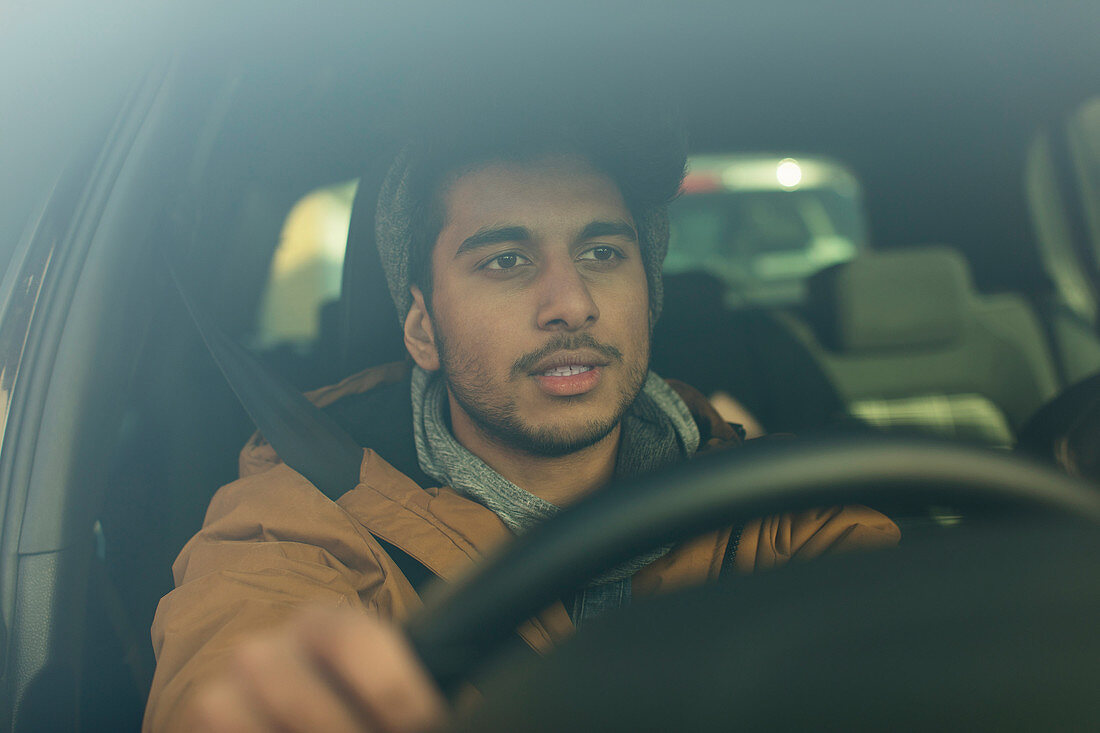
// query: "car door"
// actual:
[[72, 114]]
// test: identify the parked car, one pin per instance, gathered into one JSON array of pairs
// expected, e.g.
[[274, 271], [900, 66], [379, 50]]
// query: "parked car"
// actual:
[[929, 266]]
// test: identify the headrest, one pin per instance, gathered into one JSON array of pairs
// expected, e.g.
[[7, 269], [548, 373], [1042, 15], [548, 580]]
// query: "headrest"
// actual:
[[892, 300], [368, 332]]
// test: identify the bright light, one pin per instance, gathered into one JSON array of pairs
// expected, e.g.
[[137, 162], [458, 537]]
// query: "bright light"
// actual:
[[788, 173]]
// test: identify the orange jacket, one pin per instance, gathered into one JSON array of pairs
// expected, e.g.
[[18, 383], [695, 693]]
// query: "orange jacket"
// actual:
[[271, 541]]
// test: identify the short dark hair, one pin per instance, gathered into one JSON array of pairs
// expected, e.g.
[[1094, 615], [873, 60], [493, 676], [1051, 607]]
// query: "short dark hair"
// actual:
[[642, 149]]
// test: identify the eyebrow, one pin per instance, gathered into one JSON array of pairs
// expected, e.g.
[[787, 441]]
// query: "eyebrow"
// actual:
[[493, 235], [617, 228]]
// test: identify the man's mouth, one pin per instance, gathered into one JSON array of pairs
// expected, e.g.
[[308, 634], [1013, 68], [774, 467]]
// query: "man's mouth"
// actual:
[[568, 371], [581, 351], [569, 375], [569, 363], [568, 367]]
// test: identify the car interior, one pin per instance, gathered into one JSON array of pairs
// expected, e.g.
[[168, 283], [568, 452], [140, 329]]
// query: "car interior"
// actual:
[[940, 279]]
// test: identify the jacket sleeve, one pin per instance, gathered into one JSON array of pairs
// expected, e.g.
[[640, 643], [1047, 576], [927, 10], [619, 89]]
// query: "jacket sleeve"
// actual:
[[270, 543], [774, 540]]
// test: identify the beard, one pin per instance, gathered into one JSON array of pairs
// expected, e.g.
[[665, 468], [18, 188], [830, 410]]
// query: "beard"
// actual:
[[485, 399]]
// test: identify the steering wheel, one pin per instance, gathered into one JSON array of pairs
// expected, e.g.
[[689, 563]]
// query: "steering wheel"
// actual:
[[467, 623]]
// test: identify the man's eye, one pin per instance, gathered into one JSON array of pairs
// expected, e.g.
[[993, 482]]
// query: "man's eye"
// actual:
[[600, 254], [506, 261]]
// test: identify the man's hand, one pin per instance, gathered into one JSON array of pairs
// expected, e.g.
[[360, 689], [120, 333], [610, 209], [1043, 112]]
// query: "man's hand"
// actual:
[[328, 670]]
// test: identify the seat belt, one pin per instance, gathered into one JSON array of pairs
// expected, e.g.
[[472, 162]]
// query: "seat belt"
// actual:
[[305, 437]]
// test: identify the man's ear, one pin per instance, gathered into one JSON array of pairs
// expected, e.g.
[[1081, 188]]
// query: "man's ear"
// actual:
[[420, 333]]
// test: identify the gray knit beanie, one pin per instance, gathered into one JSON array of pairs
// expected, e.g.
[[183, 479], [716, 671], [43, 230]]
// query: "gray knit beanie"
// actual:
[[394, 233]]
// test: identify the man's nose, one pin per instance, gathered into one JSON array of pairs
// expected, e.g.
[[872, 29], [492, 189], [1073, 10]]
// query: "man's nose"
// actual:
[[565, 300]]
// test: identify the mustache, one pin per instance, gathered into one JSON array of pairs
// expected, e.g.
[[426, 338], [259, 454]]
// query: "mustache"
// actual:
[[564, 342]]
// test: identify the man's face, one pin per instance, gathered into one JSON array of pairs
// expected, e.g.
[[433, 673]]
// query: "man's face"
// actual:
[[540, 311]]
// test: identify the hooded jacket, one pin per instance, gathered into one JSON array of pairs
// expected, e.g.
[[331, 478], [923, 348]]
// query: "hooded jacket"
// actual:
[[271, 541]]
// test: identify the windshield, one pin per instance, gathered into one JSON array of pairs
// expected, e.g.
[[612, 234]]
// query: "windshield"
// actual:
[[877, 233]]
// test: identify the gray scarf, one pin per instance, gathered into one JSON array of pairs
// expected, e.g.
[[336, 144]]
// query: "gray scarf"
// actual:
[[657, 431]]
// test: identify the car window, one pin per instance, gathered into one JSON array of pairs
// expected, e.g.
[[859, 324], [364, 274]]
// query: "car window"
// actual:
[[306, 270], [763, 223]]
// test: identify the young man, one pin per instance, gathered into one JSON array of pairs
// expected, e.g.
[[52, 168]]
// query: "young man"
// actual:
[[527, 274]]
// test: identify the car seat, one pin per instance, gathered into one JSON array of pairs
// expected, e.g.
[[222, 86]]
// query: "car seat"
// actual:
[[745, 352], [363, 324], [910, 345]]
